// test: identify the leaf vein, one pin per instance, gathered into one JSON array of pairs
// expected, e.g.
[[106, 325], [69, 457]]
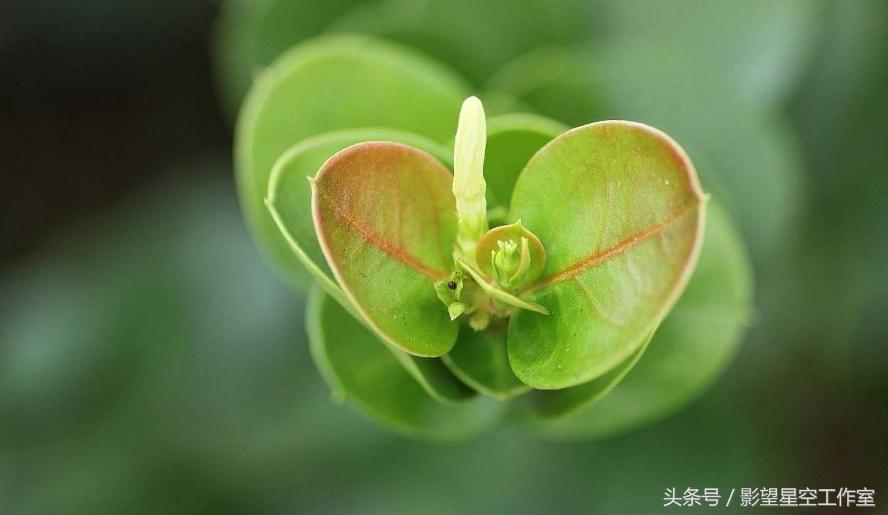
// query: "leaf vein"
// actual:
[[621, 246], [371, 236]]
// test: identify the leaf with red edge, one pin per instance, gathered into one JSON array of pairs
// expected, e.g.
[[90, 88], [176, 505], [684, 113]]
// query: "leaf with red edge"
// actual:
[[619, 210], [386, 222]]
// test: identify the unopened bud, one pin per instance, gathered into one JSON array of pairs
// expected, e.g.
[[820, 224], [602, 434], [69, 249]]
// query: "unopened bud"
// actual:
[[450, 294], [511, 255]]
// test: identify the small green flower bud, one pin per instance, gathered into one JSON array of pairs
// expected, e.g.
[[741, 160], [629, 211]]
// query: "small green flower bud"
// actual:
[[514, 255], [450, 294], [510, 261]]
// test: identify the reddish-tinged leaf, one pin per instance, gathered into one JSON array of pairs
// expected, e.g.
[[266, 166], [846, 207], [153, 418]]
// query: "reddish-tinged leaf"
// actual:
[[386, 222]]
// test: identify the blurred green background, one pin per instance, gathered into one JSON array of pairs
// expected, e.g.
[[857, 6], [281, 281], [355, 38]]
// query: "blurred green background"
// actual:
[[150, 361]]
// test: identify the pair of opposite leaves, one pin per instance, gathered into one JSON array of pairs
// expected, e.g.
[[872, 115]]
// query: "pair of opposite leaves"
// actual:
[[332, 92], [616, 204]]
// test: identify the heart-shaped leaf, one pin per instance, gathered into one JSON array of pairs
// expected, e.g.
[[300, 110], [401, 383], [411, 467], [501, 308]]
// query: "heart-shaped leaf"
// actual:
[[289, 199], [512, 139], [479, 359], [693, 344], [330, 84], [386, 222], [619, 210], [363, 373], [289, 192]]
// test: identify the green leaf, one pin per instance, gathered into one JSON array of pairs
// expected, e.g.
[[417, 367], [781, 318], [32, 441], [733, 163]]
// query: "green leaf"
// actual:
[[479, 359], [556, 403], [512, 139], [250, 34], [474, 37], [431, 374], [386, 221], [289, 192], [330, 84], [563, 83], [289, 198], [360, 371], [619, 210], [691, 347]]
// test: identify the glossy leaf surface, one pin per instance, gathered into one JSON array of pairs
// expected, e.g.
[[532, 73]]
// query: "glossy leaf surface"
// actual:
[[360, 371], [330, 84], [619, 210], [479, 359], [385, 218], [693, 344]]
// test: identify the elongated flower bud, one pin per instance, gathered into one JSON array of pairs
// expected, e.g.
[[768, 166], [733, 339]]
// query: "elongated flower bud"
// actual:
[[469, 186]]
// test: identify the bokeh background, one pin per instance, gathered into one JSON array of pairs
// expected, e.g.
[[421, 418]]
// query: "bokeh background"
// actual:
[[150, 361]]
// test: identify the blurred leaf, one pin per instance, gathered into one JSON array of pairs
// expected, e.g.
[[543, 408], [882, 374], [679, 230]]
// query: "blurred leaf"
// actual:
[[476, 38], [562, 83], [755, 50], [133, 333], [385, 217], [289, 192], [250, 34], [842, 119], [610, 277], [693, 344], [290, 196], [712, 95], [360, 371], [332, 84], [479, 359], [512, 139], [219, 394]]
